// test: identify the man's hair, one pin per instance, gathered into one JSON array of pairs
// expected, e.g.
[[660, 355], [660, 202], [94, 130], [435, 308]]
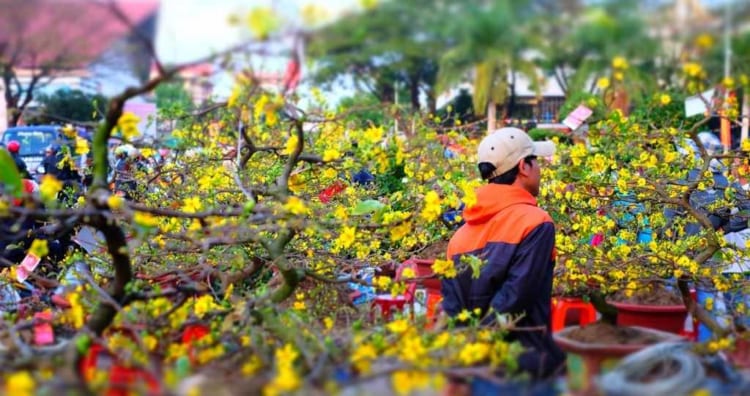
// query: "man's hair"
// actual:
[[486, 169]]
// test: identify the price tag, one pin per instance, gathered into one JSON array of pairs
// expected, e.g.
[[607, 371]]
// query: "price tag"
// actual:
[[577, 117], [43, 333], [27, 266]]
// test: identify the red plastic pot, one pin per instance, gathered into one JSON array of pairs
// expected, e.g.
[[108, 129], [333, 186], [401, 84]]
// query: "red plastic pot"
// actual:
[[123, 380], [190, 335], [669, 318], [423, 268], [740, 354]]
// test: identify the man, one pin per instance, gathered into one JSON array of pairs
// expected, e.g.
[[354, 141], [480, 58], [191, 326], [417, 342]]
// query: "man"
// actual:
[[14, 148], [516, 240]]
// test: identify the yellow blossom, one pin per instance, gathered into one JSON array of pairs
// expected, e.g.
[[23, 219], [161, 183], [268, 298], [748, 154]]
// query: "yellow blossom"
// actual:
[[234, 95], [115, 202], [330, 173], [602, 83], [400, 231], [362, 357], [150, 342], [368, 4], [398, 326], [291, 145], [665, 99], [39, 248], [20, 383], [431, 210], [128, 125], [203, 305], [286, 379], [692, 69], [191, 205], [704, 41], [346, 237], [144, 219], [406, 382], [82, 146], [619, 62], [69, 131], [262, 21], [382, 282], [295, 206], [728, 82], [75, 314], [408, 273], [474, 353], [446, 268], [331, 154], [49, 187], [251, 366]]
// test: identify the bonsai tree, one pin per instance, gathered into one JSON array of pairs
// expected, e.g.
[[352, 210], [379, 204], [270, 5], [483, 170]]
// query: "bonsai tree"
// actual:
[[235, 254], [644, 202]]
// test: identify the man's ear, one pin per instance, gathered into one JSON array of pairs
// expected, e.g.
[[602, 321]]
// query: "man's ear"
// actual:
[[523, 167]]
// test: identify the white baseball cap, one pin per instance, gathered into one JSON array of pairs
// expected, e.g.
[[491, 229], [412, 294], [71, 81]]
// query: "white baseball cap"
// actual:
[[505, 147]]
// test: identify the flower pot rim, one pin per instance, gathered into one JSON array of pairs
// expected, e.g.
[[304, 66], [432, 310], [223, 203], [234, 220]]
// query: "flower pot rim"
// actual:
[[569, 345], [420, 260], [649, 308]]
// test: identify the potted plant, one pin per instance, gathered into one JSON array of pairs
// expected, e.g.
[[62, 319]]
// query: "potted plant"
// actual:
[[642, 208]]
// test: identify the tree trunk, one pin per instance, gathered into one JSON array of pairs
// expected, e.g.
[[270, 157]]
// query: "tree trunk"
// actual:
[[491, 111], [386, 92], [510, 103], [745, 115], [431, 102], [414, 93], [15, 116], [11, 101]]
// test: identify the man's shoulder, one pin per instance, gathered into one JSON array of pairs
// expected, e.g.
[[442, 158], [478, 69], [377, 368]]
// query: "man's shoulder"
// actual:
[[526, 214]]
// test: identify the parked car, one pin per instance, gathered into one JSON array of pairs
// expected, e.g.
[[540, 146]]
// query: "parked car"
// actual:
[[33, 139]]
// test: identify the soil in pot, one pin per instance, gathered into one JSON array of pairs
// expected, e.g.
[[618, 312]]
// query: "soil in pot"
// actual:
[[437, 249], [652, 295], [605, 333]]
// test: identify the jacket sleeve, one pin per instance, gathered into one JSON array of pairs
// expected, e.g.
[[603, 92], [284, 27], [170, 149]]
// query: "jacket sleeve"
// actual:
[[527, 274], [451, 303], [451, 289]]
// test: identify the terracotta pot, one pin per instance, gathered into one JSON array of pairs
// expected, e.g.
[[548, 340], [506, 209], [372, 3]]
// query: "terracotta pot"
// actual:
[[670, 318], [587, 361]]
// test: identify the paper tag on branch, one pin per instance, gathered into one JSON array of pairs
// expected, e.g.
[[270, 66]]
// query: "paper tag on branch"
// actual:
[[27, 266]]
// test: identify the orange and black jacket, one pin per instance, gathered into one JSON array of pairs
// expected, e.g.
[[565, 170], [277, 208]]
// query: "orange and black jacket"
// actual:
[[515, 239]]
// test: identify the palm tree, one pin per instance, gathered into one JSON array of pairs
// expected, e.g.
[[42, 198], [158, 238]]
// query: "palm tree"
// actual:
[[489, 40], [578, 45]]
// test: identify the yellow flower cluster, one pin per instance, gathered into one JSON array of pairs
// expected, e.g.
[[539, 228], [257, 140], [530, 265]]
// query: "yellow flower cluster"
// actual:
[[286, 379], [431, 210], [128, 125], [50, 187], [444, 268]]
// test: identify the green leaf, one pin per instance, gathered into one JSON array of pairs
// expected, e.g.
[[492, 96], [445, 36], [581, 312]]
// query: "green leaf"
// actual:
[[474, 263], [9, 175], [82, 344], [367, 206]]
